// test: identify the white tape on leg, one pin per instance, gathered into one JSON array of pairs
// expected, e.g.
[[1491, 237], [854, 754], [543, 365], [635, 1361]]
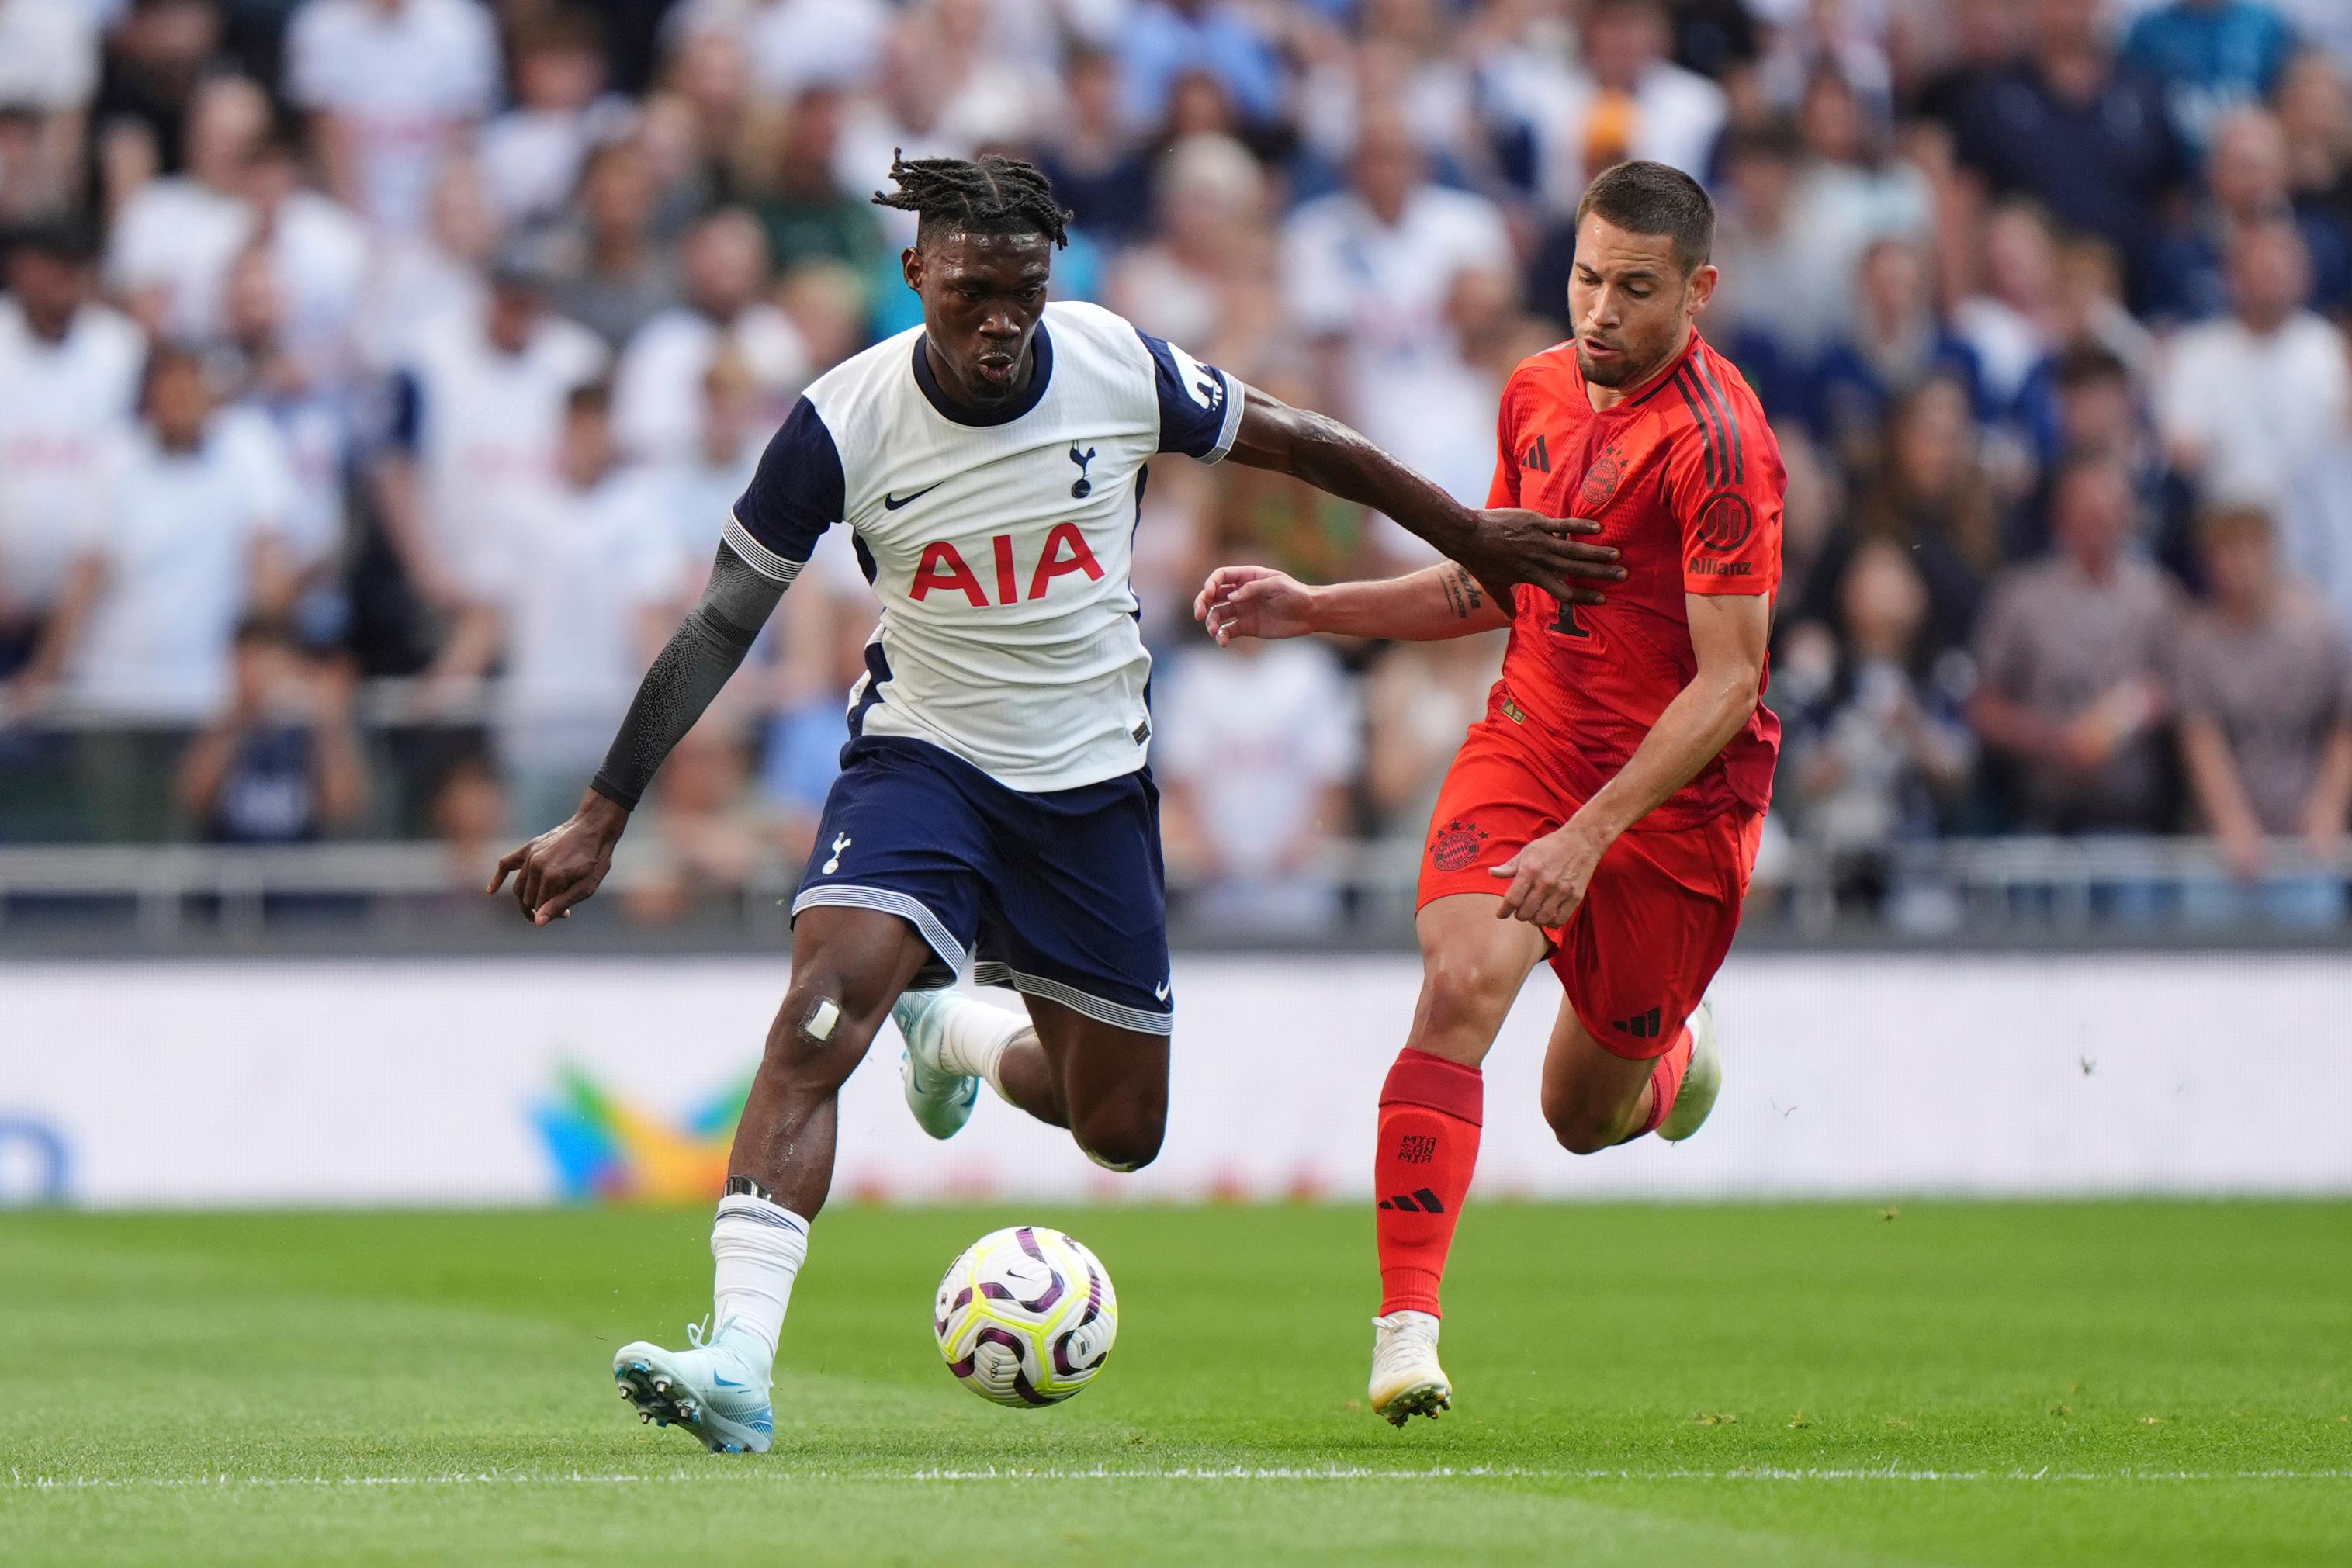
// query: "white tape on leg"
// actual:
[[821, 1018]]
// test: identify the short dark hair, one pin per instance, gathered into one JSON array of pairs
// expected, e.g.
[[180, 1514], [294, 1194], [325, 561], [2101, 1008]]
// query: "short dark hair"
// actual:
[[591, 397], [989, 194], [66, 240], [256, 629], [2085, 364], [1646, 198]]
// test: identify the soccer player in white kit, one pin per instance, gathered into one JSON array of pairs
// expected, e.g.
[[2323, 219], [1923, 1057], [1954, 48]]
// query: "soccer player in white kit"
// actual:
[[996, 802]]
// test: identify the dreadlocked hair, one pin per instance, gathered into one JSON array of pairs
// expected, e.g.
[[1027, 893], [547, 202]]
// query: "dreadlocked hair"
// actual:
[[989, 195]]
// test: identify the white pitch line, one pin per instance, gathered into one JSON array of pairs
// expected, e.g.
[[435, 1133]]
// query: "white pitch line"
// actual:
[[19, 1481]]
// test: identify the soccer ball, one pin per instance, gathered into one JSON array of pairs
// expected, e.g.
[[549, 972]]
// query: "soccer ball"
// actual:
[[1026, 1316]]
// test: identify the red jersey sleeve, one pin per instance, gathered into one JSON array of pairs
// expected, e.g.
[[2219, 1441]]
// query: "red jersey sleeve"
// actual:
[[1504, 490], [1724, 486]]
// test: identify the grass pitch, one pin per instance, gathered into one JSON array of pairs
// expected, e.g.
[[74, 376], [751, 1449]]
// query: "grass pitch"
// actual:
[[2141, 1383]]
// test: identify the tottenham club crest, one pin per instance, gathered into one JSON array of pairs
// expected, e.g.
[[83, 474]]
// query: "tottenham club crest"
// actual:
[[1081, 486], [1456, 846]]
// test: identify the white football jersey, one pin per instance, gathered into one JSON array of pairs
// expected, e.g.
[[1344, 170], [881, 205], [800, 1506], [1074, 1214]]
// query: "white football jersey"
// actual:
[[999, 542]]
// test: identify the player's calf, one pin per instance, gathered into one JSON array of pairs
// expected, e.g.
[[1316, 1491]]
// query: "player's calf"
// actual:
[[1111, 1081]]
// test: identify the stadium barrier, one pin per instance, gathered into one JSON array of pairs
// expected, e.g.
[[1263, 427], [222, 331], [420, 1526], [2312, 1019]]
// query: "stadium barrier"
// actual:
[[2120, 885], [522, 1081]]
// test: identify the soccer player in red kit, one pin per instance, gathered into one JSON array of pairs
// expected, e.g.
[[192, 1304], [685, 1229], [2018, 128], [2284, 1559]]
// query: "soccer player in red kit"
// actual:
[[1604, 814]]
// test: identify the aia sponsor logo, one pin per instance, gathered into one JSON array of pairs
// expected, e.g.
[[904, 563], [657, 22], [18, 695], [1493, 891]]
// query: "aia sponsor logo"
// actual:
[[1455, 846], [944, 569], [1600, 481]]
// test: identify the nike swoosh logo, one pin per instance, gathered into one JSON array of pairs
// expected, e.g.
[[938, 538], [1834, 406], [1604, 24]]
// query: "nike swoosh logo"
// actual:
[[892, 502], [1160, 990], [724, 1381]]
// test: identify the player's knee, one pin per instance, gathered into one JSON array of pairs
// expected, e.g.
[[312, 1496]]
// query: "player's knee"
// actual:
[[1581, 1126], [1122, 1139], [1465, 996]]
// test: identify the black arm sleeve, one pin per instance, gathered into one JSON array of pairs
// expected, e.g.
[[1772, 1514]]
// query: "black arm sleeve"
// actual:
[[707, 648]]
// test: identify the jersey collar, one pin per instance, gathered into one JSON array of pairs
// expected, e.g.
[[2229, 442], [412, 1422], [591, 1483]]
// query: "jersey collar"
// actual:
[[942, 400]]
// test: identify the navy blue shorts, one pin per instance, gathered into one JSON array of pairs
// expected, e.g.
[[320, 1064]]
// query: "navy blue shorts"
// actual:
[[1059, 895]]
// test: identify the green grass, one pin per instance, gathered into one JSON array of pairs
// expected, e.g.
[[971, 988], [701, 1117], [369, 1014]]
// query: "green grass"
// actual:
[[2129, 1383]]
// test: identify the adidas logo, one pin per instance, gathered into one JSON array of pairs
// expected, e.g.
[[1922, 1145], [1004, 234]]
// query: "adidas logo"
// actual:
[[1641, 1025], [1423, 1201]]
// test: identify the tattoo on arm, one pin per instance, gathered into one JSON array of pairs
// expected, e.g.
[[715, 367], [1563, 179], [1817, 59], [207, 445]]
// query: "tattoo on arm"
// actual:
[[1462, 593]]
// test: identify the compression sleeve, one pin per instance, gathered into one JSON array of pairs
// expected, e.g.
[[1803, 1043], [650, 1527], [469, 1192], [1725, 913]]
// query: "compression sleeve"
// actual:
[[708, 647]]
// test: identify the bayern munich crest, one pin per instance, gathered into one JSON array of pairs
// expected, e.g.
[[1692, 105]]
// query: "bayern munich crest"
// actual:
[[1455, 846], [1601, 480]]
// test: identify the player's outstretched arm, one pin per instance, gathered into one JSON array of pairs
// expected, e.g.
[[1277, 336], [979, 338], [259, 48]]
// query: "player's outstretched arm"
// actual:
[[566, 864], [1502, 546], [1437, 602]]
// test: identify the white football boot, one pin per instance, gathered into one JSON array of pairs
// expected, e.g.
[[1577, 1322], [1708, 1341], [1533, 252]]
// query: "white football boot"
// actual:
[[1702, 1080], [710, 1390], [942, 1100], [1406, 1379]]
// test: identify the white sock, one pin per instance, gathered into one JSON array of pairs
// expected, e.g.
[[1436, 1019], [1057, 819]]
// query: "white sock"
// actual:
[[974, 1038], [759, 1248]]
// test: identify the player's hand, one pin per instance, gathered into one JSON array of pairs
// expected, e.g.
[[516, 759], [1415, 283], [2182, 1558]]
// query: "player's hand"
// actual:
[[1549, 877], [566, 864], [1253, 602], [1514, 545]]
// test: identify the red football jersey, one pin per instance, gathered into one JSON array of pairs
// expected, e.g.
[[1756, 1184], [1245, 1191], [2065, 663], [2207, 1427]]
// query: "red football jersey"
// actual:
[[1685, 480]]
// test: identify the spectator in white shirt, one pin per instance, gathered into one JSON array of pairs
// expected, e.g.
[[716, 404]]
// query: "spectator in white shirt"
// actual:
[[320, 251], [416, 280], [2012, 323], [187, 539], [699, 490], [658, 391], [792, 43], [391, 85], [1369, 273], [312, 421], [1257, 744], [477, 419], [1625, 100], [2315, 527], [532, 154], [173, 242], [587, 586], [69, 385], [49, 71], [2247, 399], [1205, 278]]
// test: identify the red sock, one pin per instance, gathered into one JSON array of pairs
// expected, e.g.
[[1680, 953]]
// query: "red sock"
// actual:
[[1429, 1112], [1666, 1083]]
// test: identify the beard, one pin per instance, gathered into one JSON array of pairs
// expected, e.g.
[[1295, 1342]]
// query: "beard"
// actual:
[[1620, 369]]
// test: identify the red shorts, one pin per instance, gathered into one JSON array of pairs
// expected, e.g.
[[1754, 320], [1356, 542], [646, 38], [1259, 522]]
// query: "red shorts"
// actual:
[[1659, 915]]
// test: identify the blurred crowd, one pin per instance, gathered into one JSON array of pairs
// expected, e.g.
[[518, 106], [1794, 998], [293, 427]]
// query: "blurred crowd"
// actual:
[[374, 375]]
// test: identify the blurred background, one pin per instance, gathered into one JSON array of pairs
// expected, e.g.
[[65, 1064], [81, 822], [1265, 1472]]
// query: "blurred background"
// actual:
[[374, 375]]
